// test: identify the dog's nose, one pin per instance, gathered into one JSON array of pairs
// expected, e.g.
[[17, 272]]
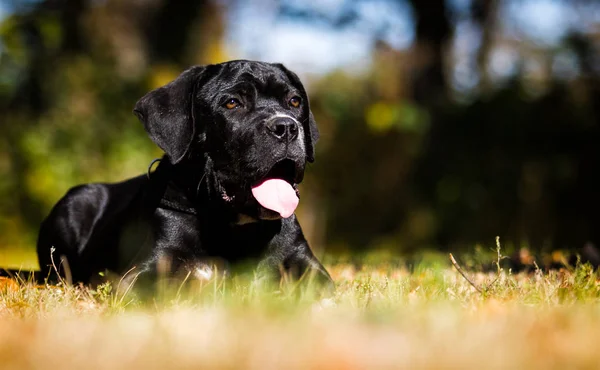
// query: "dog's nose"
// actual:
[[283, 128]]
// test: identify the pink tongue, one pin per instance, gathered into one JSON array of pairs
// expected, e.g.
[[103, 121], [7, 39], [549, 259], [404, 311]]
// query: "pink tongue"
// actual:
[[277, 195]]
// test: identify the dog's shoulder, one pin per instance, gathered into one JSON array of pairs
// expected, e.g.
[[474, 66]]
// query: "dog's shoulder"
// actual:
[[79, 212], [87, 203]]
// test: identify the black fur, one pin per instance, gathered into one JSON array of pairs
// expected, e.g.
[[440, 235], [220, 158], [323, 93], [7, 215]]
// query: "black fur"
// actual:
[[197, 205]]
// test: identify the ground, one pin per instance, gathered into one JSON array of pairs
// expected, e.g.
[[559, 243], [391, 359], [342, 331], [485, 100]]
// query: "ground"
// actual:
[[383, 315]]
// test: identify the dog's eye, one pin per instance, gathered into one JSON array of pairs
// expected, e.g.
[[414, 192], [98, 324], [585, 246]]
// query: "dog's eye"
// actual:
[[295, 101], [232, 103]]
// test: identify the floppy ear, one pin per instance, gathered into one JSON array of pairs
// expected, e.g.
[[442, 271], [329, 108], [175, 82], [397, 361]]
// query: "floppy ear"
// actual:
[[168, 113], [311, 133]]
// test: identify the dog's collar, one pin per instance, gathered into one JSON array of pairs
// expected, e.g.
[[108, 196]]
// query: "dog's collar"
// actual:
[[167, 204], [244, 219], [173, 200], [155, 160], [170, 198]]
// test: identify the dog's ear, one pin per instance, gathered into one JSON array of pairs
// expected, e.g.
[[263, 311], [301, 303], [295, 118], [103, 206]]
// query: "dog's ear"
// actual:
[[311, 133], [168, 113]]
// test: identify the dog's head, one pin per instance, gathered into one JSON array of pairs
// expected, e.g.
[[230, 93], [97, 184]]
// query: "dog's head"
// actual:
[[248, 123]]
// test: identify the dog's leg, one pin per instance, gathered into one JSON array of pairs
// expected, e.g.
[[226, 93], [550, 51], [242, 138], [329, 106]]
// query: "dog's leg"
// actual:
[[171, 267], [301, 266], [304, 265]]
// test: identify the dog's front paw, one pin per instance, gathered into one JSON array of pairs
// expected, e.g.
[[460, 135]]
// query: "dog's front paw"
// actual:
[[324, 304], [208, 269]]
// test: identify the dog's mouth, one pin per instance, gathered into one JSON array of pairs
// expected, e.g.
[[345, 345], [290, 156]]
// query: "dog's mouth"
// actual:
[[284, 170], [277, 191]]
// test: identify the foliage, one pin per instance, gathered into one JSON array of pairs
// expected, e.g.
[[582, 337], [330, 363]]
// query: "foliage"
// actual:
[[413, 154]]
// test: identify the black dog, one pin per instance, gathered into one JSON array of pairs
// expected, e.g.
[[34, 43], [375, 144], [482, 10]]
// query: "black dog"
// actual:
[[237, 137]]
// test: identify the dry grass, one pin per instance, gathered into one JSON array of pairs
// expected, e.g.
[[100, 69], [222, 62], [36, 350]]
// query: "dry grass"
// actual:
[[382, 316]]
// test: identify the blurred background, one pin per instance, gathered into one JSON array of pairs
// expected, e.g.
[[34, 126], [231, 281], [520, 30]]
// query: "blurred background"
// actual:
[[443, 122]]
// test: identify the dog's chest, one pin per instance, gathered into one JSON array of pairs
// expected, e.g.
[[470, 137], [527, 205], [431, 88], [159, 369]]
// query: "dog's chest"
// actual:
[[201, 237]]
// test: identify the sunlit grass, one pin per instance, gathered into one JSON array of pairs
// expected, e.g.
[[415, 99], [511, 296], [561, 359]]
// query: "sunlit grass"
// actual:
[[381, 316]]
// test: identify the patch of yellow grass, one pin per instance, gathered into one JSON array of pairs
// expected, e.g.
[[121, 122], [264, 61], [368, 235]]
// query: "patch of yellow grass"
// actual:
[[381, 316]]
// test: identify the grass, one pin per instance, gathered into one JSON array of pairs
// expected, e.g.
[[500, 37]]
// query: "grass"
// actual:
[[382, 316]]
